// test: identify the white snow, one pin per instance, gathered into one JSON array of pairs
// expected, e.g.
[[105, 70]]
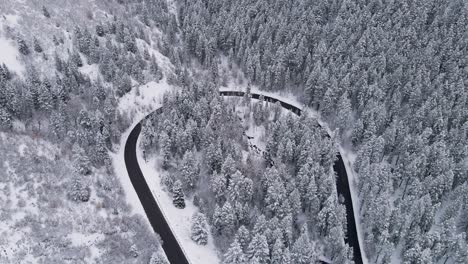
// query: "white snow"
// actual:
[[21, 149], [144, 99], [9, 55], [12, 20], [91, 70], [178, 219], [79, 239]]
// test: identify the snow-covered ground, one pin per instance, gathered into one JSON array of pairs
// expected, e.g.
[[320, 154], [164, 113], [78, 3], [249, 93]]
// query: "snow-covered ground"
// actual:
[[179, 220], [10, 56], [144, 99]]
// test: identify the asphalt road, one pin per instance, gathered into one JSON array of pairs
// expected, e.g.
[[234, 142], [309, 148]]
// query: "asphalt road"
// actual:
[[169, 243], [172, 249]]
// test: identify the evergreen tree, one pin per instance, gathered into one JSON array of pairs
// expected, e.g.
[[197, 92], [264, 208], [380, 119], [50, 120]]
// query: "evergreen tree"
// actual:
[[277, 252], [81, 161], [45, 12], [158, 258], [243, 237], [224, 220], [23, 47], [5, 118], [199, 229], [234, 254], [178, 198], [189, 170], [218, 185], [258, 248], [37, 45], [302, 250], [240, 188]]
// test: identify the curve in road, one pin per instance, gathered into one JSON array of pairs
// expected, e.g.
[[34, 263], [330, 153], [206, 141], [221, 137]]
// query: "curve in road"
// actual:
[[170, 245], [342, 182], [172, 249]]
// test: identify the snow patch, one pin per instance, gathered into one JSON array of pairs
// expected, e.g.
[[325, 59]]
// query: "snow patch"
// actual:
[[91, 70], [9, 55], [144, 99], [21, 149], [11, 20]]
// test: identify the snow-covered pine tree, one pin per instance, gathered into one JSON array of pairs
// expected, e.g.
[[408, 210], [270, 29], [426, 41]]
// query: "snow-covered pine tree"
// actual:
[[234, 254], [243, 236], [199, 229], [218, 185], [81, 161], [23, 47], [45, 12], [258, 248], [189, 171], [178, 198], [302, 250], [158, 258], [37, 45]]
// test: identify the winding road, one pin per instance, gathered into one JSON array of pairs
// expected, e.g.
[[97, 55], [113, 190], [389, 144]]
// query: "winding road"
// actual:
[[170, 245], [342, 182]]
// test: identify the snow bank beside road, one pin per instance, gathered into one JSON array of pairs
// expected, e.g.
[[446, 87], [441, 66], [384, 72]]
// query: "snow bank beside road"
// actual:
[[144, 99], [138, 103], [178, 219]]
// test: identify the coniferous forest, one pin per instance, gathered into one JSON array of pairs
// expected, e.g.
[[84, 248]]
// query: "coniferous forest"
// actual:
[[382, 83]]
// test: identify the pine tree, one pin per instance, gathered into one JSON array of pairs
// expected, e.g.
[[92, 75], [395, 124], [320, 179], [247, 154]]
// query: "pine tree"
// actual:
[[218, 185], [189, 170], [45, 12], [5, 119], [158, 258], [234, 254], [100, 149], [302, 250], [243, 236], [78, 192], [199, 229], [23, 47], [275, 197], [76, 59], [258, 248], [37, 45], [81, 161], [178, 198], [165, 146], [286, 258], [277, 252], [345, 113], [240, 188], [224, 220]]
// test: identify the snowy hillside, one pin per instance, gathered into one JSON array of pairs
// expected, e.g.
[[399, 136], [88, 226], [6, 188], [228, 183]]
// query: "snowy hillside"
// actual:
[[372, 169]]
